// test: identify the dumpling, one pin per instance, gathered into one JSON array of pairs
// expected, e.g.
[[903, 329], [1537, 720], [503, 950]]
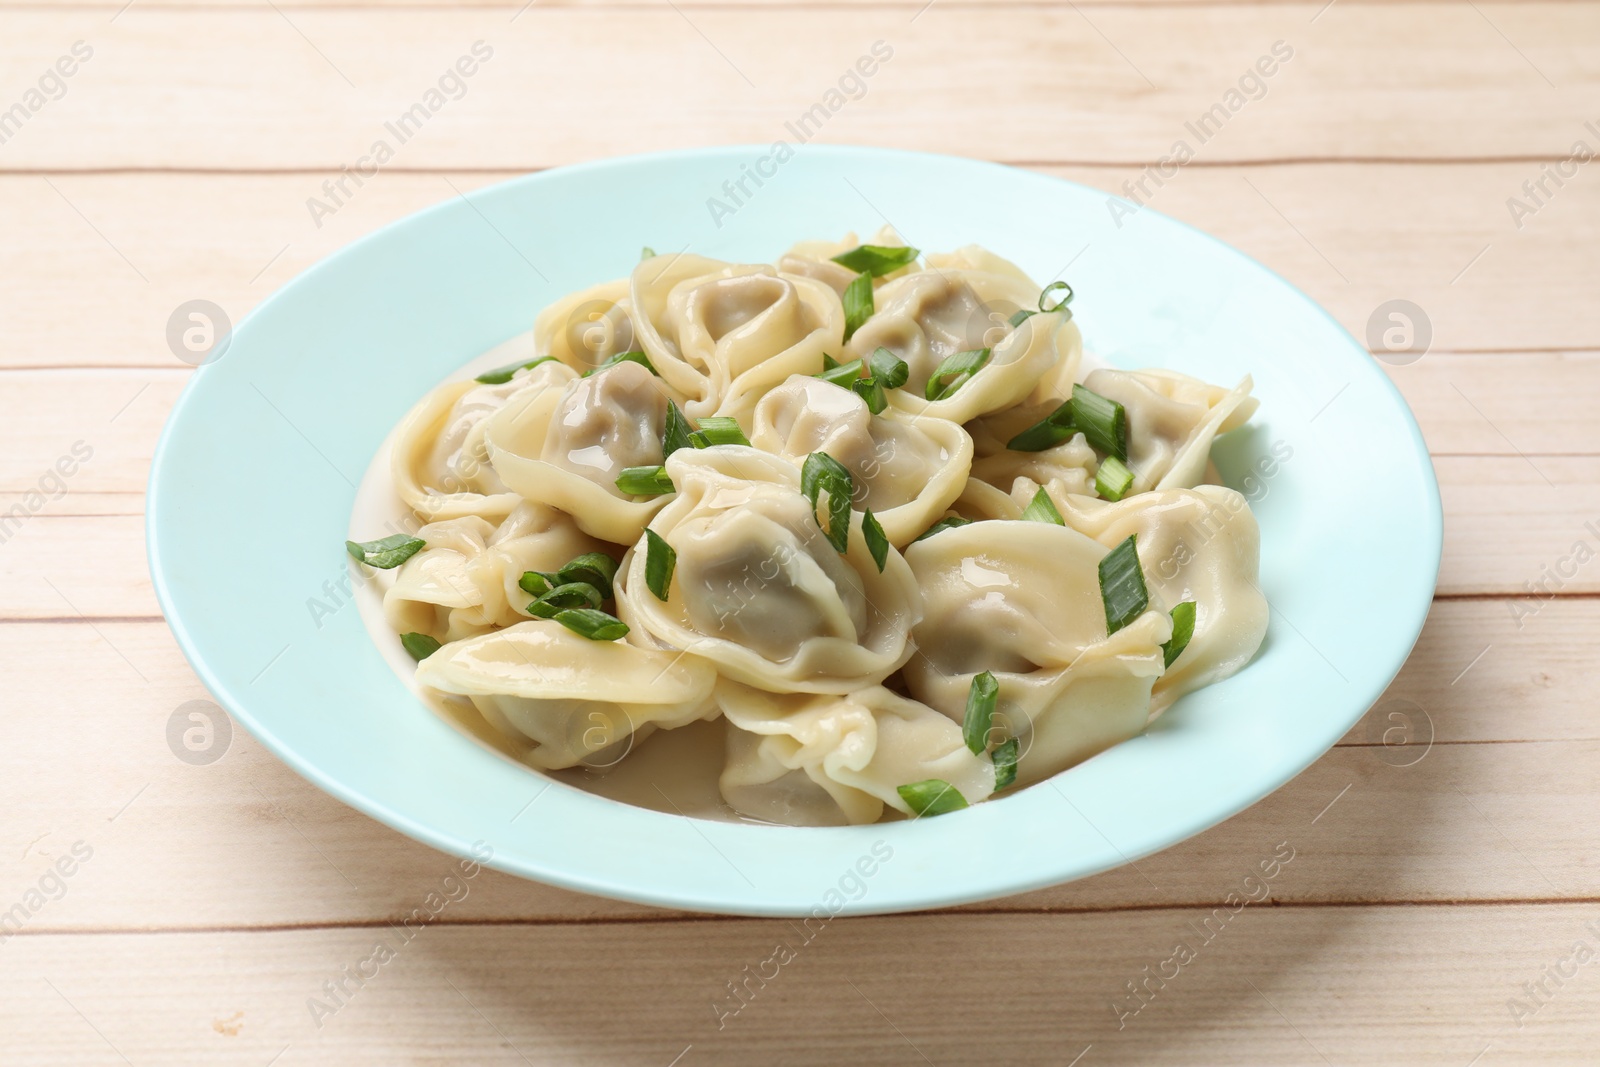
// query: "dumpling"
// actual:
[[1069, 466], [439, 462], [1022, 600], [814, 259], [826, 760], [567, 448], [587, 328], [906, 470], [1194, 544], [576, 700], [722, 335], [1172, 420], [978, 258], [465, 581], [759, 590], [926, 317]]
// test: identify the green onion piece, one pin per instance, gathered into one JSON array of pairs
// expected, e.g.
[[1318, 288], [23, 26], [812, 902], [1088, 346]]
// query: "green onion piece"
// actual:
[[953, 372], [1048, 432], [1122, 587], [1113, 479], [1021, 317], [871, 391], [889, 368], [660, 560], [420, 646], [841, 374], [571, 595], [1058, 305], [674, 431], [385, 553], [593, 624], [1104, 423], [625, 357], [1182, 631], [876, 260], [591, 568], [858, 306], [718, 430], [877, 542], [501, 375], [1042, 509], [537, 582], [822, 472], [1005, 764], [981, 699], [828, 362], [645, 481], [932, 797], [950, 522], [646, 253]]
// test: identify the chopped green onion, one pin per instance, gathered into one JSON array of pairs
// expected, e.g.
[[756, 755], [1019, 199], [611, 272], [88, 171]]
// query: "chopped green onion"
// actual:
[[932, 797], [645, 481], [1113, 479], [828, 362], [1020, 317], [876, 260], [625, 357], [877, 542], [385, 553], [1042, 509], [501, 375], [538, 582], [1182, 631], [950, 522], [1048, 432], [646, 253], [953, 372], [570, 595], [1103, 422], [858, 306], [981, 699], [871, 391], [420, 646], [1122, 587], [674, 431], [1058, 305], [822, 472], [718, 430], [889, 368], [660, 560], [1005, 764], [595, 568], [593, 624], [841, 374]]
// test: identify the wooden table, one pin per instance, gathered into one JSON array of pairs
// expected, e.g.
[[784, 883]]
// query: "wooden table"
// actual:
[[1437, 892]]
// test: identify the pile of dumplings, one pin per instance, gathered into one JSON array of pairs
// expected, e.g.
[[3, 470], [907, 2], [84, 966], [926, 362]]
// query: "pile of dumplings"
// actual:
[[838, 647]]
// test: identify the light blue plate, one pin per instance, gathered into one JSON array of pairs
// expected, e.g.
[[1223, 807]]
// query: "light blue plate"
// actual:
[[252, 485]]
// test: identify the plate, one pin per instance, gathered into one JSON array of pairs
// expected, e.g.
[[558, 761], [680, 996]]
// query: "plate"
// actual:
[[253, 481]]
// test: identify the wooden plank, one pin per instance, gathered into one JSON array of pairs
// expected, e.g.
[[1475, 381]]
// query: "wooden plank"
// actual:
[[1394, 81], [1273, 986]]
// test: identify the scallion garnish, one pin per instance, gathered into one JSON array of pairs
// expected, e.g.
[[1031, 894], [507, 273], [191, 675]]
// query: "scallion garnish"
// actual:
[[953, 372], [419, 646], [591, 623], [1005, 764], [1048, 432], [1182, 631], [1113, 479], [659, 562], [949, 522], [1042, 509], [718, 430], [625, 357], [888, 368], [594, 568], [385, 553], [876, 260], [562, 597], [822, 472], [675, 431], [877, 542], [645, 481], [501, 375], [841, 374], [858, 306], [871, 391], [1059, 304], [981, 699], [1020, 317], [932, 797], [1122, 588], [646, 253], [1103, 422]]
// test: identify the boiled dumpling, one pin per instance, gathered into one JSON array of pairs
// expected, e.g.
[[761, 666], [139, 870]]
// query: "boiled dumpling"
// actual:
[[588, 328], [1172, 420], [814, 259], [759, 590], [905, 470]]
